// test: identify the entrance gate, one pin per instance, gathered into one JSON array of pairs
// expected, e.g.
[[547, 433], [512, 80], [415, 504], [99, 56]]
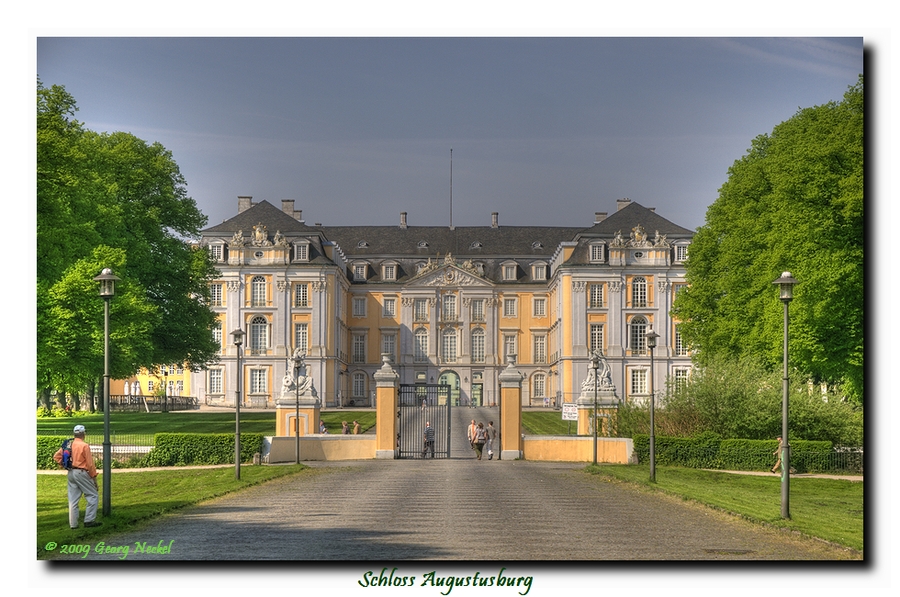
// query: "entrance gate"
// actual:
[[420, 403]]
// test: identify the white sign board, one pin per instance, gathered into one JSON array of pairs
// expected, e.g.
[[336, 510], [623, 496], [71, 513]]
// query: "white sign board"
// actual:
[[569, 412]]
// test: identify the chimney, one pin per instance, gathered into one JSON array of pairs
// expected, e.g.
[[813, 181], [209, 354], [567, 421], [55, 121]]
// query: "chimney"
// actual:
[[495, 220], [620, 203], [599, 216], [287, 206], [244, 203], [403, 220]]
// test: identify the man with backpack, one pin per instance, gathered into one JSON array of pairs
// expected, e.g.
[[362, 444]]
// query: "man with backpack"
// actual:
[[75, 456]]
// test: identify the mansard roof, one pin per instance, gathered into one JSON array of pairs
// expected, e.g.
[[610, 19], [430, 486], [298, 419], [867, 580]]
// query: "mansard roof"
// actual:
[[411, 244]]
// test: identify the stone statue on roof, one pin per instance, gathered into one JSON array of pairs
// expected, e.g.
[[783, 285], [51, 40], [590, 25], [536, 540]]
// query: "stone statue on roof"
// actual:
[[238, 239], [260, 236]]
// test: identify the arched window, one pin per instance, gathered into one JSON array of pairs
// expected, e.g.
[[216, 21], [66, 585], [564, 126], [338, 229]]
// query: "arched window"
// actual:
[[259, 335], [638, 335], [639, 291], [421, 354], [478, 345], [258, 291]]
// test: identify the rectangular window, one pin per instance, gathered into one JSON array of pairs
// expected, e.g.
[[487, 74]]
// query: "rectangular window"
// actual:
[[449, 310], [639, 292], [509, 307], [301, 337], [359, 348], [597, 338], [448, 349], [540, 349], [390, 272], [359, 272], [540, 307], [301, 252], [681, 349], [421, 343], [215, 382], [359, 306], [477, 309], [478, 346], [681, 377], [359, 385], [540, 272], [258, 381], [390, 307], [420, 309], [217, 333], [388, 345], [596, 300], [681, 252], [215, 295], [216, 252], [540, 386], [301, 295], [596, 252], [509, 345], [638, 381], [509, 272]]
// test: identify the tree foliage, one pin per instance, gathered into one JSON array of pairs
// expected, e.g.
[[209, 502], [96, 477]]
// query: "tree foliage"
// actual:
[[113, 200], [793, 203]]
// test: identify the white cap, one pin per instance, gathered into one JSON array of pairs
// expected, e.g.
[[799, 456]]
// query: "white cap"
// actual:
[[79, 429]]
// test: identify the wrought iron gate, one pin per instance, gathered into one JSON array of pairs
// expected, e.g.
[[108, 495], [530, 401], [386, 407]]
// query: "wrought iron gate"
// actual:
[[421, 403]]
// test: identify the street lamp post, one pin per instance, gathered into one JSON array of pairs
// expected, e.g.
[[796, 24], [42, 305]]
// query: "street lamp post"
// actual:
[[595, 365], [107, 290], [298, 360], [786, 283], [238, 336], [651, 344]]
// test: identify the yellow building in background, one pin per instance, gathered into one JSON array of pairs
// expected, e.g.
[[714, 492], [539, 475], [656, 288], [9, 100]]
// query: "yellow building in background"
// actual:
[[448, 304]]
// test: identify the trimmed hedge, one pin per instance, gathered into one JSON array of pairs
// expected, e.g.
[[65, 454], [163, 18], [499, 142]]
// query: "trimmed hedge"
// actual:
[[47, 445], [180, 449], [707, 451], [171, 449]]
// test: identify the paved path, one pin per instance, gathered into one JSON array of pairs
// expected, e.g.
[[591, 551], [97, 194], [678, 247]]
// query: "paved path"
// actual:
[[458, 509]]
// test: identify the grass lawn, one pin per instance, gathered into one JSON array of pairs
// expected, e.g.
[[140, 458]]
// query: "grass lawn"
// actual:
[[138, 497], [547, 423], [190, 422], [829, 509]]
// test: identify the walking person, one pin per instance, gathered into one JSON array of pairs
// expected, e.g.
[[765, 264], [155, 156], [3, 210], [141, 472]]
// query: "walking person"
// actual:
[[470, 433], [480, 439], [355, 427], [429, 440], [345, 428], [491, 433], [81, 480]]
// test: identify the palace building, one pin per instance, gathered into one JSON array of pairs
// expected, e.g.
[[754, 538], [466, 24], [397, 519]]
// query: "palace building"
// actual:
[[448, 304]]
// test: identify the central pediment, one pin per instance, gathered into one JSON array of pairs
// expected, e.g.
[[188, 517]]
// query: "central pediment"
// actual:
[[449, 273]]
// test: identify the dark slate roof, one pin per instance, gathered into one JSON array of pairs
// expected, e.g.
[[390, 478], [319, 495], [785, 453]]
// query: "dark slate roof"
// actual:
[[262, 212], [413, 244]]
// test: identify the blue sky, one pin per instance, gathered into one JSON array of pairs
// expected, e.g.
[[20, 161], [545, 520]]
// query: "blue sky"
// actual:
[[544, 130]]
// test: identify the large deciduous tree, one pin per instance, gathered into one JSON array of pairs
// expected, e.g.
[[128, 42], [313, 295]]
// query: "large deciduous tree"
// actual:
[[113, 200], [793, 203]]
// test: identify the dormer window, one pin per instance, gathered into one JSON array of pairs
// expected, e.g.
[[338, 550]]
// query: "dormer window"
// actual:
[[360, 271], [681, 253], [217, 252], [598, 252], [389, 272], [537, 245], [539, 272], [476, 245], [301, 251], [362, 245], [423, 244], [510, 270]]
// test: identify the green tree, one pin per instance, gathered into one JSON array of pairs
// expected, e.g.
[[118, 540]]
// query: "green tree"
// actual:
[[793, 203], [117, 198]]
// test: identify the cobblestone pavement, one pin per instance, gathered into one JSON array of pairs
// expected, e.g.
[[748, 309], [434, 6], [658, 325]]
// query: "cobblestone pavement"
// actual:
[[437, 510]]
